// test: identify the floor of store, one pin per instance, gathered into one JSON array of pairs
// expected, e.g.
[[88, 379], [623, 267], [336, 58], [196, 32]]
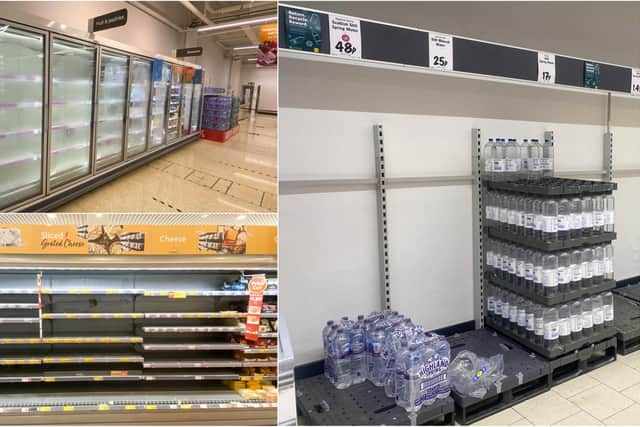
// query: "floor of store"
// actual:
[[238, 175], [605, 396]]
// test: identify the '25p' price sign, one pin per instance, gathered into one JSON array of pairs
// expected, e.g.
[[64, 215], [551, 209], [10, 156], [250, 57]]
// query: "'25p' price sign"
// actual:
[[344, 35], [441, 51]]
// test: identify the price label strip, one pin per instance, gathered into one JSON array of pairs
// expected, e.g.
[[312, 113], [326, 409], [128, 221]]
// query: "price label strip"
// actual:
[[257, 286], [546, 68], [635, 81], [345, 36], [441, 51]]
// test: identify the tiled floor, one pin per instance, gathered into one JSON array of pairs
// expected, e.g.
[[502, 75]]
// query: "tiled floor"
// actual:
[[203, 176], [606, 396]]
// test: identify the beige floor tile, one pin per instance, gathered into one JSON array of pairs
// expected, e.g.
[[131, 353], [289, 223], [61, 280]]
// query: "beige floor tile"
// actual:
[[618, 376], [178, 170], [222, 185], [632, 360], [575, 386], [270, 202], [522, 422], [203, 179], [546, 408], [506, 417], [245, 193], [628, 417], [579, 419], [633, 392], [601, 401]]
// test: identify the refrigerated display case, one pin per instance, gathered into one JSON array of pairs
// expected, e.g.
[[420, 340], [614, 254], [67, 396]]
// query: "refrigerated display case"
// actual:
[[22, 71], [187, 97], [161, 82], [112, 103], [175, 101], [77, 110], [139, 94], [195, 109]]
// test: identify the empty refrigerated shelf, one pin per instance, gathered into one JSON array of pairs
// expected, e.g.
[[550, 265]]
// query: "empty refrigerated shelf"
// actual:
[[191, 329], [193, 347], [14, 320], [93, 358], [92, 315], [18, 306]]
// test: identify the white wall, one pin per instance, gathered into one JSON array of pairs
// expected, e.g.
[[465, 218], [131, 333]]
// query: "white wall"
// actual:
[[267, 79], [326, 116]]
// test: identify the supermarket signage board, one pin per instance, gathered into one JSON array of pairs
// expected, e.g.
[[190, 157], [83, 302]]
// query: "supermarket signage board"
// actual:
[[309, 30], [138, 239], [546, 68], [110, 20], [441, 51], [344, 36], [189, 51], [635, 82], [257, 286]]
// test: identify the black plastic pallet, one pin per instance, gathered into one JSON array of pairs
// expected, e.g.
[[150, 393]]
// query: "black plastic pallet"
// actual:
[[320, 403], [526, 374], [559, 350], [559, 298], [581, 361], [627, 323], [631, 292], [558, 245], [555, 187]]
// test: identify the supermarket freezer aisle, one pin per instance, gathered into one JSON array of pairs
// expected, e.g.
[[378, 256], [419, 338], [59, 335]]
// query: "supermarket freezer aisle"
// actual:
[[238, 175]]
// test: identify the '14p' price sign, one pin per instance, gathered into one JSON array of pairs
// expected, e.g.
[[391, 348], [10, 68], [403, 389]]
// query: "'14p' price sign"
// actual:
[[344, 35], [635, 81]]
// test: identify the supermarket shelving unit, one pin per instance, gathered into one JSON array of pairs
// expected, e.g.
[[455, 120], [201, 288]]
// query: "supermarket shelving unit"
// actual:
[[78, 111]]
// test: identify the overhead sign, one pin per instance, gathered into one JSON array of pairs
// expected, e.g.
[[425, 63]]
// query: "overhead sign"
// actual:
[[110, 20], [268, 48], [441, 51], [189, 51], [546, 67], [344, 36]]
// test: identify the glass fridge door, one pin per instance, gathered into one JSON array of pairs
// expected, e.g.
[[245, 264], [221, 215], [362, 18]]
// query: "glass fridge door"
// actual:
[[72, 81], [159, 106], [185, 118], [112, 101], [195, 110], [175, 94], [138, 106], [21, 114]]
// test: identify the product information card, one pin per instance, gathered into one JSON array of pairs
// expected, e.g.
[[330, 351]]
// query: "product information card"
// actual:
[[635, 81], [546, 68], [344, 34], [441, 51]]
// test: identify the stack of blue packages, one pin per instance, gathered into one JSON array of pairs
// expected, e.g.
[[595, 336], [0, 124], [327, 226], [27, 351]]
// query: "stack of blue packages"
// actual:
[[217, 113]]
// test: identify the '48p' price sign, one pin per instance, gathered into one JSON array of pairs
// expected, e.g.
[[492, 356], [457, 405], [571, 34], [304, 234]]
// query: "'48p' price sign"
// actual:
[[344, 35]]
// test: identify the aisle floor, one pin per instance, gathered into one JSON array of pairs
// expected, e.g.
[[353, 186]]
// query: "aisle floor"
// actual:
[[606, 396], [203, 176]]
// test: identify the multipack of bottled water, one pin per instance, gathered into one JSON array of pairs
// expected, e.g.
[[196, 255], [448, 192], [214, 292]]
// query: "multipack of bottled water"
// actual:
[[550, 219], [391, 352], [549, 273], [549, 327], [508, 159]]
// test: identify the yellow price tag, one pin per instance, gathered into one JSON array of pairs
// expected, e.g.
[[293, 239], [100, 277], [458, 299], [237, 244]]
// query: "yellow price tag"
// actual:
[[98, 378], [88, 360], [130, 407], [68, 408], [185, 406], [150, 406], [103, 407], [49, 379], [44, 409]]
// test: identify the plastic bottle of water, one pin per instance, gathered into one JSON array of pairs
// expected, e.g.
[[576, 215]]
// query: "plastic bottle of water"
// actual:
[[522, 211], [587, 317], [608, 262], [358, 353], [550, 220], [524, 158], [576, 270], [529, 217], [528, 270], [499, 164], [522, 318], [398, 380], [506, 309], [587, 268], [410, 365], [375, 361], [564, 272], [564, 219], [551, 328], [576, 218], [444, 353], [564, 324], [489, 154], [497, 311], [538, 219], [576, 320], [535, 159], [342, 352], [512, 163], [547, 158], [609, 213], [537, 273], [607, 308], [598, 265], [530, 333], [598, 214], [550, 275], [598, 314], [329, 361], [538, 325], [587, 216], [512, 213]]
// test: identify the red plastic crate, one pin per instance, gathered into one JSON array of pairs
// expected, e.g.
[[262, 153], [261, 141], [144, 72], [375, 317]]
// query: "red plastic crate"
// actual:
[[219, 135]]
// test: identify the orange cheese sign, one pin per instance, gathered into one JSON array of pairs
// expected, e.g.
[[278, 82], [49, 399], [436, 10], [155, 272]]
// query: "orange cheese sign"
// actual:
[[257, 286]]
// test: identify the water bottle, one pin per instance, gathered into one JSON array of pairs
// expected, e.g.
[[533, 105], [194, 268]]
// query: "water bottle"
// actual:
[[524, 159], [530, 328], [398, 381], [587, 317], [506, 309], [516, 301], [564, 219], [607, 308], [547, 158], [522, 318], [538, 325], [550, 275], [608, 262], [499, 160], [520, 220], [598, 265], [520, 263], [358, 353], [491, 302], [513, 261], [329, 361], [550, 220], [537, 273], [342, 354], [609, 213], [576, 320], [576, 218], [489, 155], [587, 216], [512, 214], [346, 323], [444, 355], [587, 268], [528, 270], [535, 159], [376, 368], [598, 314], [488, 208], [529, 218], [551, 328], [598, 215], [497, 312], [576, 270], [490, 255], [564, 324], [564, 272], [538, 218]]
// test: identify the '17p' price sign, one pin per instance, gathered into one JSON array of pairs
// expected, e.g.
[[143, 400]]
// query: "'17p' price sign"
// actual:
[[635, 81], [546, 67], [344, 35]]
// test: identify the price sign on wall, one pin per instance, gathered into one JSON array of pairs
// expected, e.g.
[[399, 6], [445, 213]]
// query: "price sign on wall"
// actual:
[[635, 81], [345, 37], [441, 51], [546, 68]]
